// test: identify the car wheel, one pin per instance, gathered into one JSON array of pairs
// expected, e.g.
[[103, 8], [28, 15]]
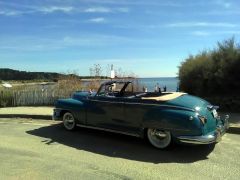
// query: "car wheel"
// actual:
[[68, 121], [159, 138]]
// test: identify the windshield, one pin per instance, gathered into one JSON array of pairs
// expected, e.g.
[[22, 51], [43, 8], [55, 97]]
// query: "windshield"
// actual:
[[111, 89]]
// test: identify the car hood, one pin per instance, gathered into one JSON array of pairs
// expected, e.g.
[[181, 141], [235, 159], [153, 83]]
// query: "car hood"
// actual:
[[79, 95]]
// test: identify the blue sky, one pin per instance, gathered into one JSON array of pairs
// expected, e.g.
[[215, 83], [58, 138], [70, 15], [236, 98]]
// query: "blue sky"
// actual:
[[149, 38]]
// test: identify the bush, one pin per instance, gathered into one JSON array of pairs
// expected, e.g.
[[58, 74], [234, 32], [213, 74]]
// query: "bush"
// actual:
[[214, 73], [6, 98], [68, 84]]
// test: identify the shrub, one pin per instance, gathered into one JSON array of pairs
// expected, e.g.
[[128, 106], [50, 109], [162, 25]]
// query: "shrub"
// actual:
[[6, 98], [213, 73]]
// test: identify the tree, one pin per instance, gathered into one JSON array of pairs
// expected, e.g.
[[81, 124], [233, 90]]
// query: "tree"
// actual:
[[212, 73]]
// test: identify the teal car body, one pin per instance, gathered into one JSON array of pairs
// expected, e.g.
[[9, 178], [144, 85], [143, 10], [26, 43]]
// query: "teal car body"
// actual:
[[189, 119]]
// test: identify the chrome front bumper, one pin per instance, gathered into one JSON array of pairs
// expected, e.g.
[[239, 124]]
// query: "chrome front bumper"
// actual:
[[209, 138], [56, 114]]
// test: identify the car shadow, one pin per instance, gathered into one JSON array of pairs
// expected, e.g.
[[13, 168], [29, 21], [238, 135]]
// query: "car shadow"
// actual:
[[234, 130], [120, 146]]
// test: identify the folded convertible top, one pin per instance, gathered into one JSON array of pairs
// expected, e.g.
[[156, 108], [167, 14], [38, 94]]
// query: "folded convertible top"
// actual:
[[166, 97]]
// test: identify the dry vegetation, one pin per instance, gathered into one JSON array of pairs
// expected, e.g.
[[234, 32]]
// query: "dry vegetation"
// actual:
[[67, 85], [46, 93]]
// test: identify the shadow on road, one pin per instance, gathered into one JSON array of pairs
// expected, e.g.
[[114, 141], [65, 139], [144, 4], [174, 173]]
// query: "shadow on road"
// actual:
[[26, 116], [234, 130], [120, 146]]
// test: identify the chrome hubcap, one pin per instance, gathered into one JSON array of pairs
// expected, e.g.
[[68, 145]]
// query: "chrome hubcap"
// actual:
[[159, 134], [159, 138], [68, 121]]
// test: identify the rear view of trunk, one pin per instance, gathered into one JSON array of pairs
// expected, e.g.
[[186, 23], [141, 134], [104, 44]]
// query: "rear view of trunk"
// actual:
[[207, 114], [211, 119]]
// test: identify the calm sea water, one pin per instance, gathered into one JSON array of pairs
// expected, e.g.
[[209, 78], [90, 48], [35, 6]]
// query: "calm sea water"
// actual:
[[170, 82]]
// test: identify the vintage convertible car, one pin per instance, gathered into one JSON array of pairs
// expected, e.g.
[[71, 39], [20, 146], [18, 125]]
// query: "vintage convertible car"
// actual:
[[163, 118]]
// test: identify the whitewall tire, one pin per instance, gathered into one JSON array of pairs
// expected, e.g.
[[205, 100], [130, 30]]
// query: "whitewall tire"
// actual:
[[69, 122], [160, 139]]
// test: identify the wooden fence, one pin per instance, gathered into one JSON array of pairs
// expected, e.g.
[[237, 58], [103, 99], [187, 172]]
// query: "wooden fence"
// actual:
[[31, 98]]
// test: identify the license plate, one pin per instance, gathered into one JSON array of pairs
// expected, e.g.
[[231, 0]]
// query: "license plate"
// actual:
[[215, 114]]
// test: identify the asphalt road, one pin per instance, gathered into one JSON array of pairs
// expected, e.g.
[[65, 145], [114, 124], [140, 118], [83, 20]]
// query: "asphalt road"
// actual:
[[40, 149]]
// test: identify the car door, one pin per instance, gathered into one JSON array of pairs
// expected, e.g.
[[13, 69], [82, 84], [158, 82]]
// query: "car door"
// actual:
[[135, 111], [106, 112]]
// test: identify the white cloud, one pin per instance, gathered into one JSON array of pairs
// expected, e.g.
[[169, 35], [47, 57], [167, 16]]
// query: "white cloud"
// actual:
[[17, 9], [220, 13], [45, 10], [201, 24], [123, 9], [133, 2], [97, 20], [52, 9], [231, 32], [180, 25], [98, 10], [200, 33], [10, 13], [224, 3], [227, 5], [206, 33], [34, 43], [106, 10]]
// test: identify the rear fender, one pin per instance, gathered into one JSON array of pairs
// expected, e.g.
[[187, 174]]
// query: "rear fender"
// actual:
[[177, 121]]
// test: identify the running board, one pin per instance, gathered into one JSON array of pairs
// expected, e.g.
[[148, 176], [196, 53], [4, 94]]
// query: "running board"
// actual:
[[108, 130]]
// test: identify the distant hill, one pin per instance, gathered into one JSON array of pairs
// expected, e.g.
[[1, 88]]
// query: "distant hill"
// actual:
[[7, 74], [10, 74]]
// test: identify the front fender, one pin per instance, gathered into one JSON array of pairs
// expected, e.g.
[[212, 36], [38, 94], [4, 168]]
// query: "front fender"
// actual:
[[76, 107]]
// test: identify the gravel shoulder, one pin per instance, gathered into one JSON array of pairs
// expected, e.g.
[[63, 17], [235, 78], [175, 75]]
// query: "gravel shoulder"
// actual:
[[39, 110]]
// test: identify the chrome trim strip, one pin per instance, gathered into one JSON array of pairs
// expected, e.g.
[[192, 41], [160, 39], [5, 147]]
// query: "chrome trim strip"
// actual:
[[109, 130], [176, 107], [211, 138], [113, 102]]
